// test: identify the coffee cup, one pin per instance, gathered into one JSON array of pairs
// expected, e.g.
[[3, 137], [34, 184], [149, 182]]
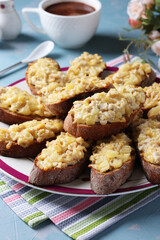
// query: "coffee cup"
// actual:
[[67, 31]]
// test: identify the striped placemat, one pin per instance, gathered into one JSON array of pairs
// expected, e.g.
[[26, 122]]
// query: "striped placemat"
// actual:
[[78, 217]]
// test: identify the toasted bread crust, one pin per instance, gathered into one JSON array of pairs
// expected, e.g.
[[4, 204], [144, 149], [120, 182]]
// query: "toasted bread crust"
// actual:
[[107, 183], [53, 176], [32, 87], [94, 132], [18, 151], [151, 171], [12, 118], [61, 109], [148, 80]]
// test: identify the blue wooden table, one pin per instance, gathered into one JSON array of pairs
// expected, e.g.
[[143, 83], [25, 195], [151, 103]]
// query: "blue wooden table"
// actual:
[[142, 224]]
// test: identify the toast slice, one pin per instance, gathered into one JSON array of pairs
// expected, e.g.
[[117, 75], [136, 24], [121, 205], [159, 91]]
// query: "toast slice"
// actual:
[[29, 138], [112, 164], [60, 102], [136, 74], [86, 65], [147, 138], [44, 75], [151, 106], [104, 114], [62, 161], [17, 106]]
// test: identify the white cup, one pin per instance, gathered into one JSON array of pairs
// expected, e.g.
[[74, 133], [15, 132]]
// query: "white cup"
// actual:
[[66, 31]]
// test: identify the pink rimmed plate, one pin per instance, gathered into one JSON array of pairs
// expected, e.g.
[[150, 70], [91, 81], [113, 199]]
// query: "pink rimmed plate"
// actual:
[[19, 169]]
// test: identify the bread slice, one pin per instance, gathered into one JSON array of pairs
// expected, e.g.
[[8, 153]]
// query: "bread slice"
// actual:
[[12, 118], [103, 114], [107, 183], [61, 108], [17, 106], [146, 136], [112, 163], [41, 73], [17, 151], [151, 171], [29, 138], [136, 74], [97, 131], [62, 161], [41, 177], [149, 80]]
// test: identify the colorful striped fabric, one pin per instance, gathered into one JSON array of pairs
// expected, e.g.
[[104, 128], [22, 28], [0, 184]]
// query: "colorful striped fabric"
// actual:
[[79, 217]]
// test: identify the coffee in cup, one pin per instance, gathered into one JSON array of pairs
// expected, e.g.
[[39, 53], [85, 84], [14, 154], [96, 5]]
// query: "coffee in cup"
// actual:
[[69, 23]]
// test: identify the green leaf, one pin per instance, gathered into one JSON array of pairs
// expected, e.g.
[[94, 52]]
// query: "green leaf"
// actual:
[[149, 14], [157, 2], [127, 29]]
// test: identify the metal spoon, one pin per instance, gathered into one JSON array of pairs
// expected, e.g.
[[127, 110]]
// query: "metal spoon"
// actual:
[[41, 51]]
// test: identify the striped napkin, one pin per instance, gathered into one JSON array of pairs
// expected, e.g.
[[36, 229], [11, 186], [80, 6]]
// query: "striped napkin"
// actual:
[[78, 217]]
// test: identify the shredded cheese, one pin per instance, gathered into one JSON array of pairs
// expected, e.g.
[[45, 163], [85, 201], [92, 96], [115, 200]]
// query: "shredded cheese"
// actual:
[[113, 106], [130, 74], [147, 136], [45, 76], [111, 153], [86, 65], [21, 102], [26, 133], [65, 151], [79, 86]]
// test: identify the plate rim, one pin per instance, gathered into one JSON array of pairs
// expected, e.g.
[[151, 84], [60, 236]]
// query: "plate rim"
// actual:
[[5, 168]]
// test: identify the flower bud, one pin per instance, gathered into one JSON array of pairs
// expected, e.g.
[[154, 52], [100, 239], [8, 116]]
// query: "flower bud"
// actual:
[[156, 47]]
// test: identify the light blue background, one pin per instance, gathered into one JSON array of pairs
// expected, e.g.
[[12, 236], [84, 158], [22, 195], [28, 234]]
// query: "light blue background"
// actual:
[[142, 224]]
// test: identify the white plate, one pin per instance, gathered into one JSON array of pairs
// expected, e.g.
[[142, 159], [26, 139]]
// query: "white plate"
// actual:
[[19, 169]]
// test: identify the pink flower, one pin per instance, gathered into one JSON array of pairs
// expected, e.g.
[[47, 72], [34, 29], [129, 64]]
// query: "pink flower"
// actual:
[[156, 47], [135, 9], [154, 35]]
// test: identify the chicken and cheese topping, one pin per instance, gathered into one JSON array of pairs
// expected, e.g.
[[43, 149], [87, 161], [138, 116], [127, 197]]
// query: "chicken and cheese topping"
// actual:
[[65, 151], [147, 136], [111, 153], [130, 74], [86, 65], [110, 107], [21, 102], [77, 87], [152, 96], [26, 133], [44, 75]]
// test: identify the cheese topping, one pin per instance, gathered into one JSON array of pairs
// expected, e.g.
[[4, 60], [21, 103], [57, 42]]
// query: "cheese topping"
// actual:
[[113, 106], [21, 102], [77, 87], [152, 96], [45, 76], [147, 137], [111, 153], [130, 74], [26, 133], [65, 151], [86, 65]]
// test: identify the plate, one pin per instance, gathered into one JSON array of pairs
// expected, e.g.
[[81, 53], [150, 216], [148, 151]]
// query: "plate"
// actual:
[[19, 169]]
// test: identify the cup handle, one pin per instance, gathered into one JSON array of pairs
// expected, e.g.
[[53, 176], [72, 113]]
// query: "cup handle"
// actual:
[[25, 12]]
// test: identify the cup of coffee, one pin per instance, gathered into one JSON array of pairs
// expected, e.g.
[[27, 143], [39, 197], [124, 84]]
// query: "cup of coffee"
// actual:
[[69, 23]]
